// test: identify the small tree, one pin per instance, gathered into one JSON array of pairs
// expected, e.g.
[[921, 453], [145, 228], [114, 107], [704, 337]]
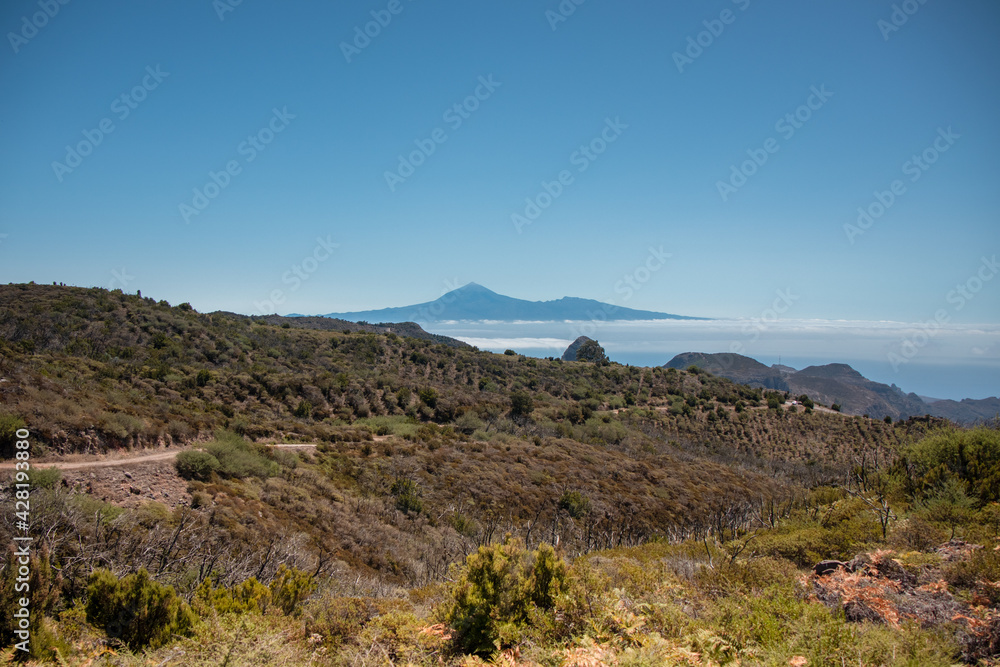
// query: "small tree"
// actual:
[[521, 405], [592, 351], [949, 504]]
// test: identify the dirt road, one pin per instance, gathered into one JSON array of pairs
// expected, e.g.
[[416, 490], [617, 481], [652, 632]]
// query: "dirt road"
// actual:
[[124, 460]]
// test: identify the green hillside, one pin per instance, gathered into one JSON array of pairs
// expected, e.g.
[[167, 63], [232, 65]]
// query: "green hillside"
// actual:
[[685, 510]]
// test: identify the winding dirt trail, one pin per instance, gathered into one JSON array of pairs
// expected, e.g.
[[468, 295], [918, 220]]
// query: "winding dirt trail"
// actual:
[[168, 455]]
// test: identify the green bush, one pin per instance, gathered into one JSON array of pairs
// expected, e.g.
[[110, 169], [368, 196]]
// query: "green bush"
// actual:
[[290, 587], [137, 610], [42, 592], [973, 456], [240, 459], [196, 464], [575, 504], [500, 591], [45, 478], [521, 405], [9, 425], [407, 494]]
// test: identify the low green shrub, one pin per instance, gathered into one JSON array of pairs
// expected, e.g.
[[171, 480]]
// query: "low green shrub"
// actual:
[[195, 464], [9, 425], [500, 591], [137, 610], [240, 459]]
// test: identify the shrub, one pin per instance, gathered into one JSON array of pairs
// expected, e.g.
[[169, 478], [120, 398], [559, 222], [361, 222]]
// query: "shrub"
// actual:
[[428, 396], [121, 425], [137, 610], [42, 592], [196, 465], [500, 590], [239, 459], [521, 405], [246, 596], [290, 587], [9, 425], [575, 504], [407, 494], [179, 431], [972, 456], [44, 478]]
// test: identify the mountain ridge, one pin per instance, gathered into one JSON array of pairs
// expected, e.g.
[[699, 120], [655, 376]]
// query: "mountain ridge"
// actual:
[[837, 383], [473, 302]]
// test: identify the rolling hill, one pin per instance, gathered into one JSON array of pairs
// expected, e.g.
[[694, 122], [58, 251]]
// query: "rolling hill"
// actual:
[[837, 383], [680, 505]]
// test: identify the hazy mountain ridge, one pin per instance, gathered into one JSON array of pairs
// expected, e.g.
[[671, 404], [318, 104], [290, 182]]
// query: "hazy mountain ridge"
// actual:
[[837, 383], [322, 323], [475, 303]]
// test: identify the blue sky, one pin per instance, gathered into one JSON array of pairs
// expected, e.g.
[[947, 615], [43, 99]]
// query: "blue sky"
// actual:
[[278, 72]]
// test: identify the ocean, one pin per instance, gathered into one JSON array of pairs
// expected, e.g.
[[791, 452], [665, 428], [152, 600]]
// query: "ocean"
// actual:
[[940, 361]]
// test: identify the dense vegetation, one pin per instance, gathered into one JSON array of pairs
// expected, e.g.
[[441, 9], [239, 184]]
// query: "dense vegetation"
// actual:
[[462, 503]]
